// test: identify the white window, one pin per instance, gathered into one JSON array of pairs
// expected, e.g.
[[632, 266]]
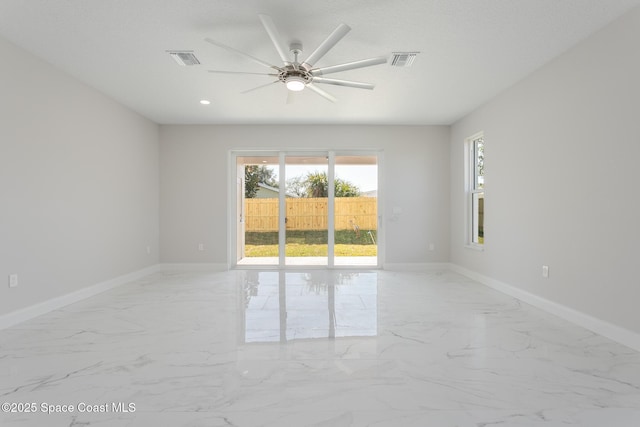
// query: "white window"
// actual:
[[474, 160]]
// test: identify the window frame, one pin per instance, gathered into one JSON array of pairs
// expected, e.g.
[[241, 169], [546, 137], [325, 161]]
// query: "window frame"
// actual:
[[474, 191]]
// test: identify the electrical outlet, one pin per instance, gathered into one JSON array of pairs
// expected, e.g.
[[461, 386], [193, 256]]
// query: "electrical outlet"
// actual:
[[201, 246], [545, 271], [432, 247], [148, 249], [13, 280]]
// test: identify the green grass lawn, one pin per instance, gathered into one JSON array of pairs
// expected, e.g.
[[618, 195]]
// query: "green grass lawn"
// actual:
[[302, 250], [312, 237]]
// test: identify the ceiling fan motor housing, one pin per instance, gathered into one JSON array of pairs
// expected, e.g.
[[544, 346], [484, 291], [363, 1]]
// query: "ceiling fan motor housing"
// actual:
[[290, 74]]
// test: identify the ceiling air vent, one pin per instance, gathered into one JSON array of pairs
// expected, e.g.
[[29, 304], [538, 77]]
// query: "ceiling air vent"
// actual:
[[403, 59], [184, 57]]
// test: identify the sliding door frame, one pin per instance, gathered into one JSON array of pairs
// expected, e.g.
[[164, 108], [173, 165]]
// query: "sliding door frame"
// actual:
[[232, 204]]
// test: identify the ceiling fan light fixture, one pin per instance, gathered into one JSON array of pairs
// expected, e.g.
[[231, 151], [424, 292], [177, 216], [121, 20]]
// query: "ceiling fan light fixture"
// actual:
[[295, 83]]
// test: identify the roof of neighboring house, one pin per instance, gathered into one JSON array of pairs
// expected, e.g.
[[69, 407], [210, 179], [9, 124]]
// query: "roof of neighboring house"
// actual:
[[268, 187], [274, 189]]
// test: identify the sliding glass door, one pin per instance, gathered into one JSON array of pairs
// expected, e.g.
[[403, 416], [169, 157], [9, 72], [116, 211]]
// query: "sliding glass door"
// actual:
[[257, 209], [306, 208], [356, 210]]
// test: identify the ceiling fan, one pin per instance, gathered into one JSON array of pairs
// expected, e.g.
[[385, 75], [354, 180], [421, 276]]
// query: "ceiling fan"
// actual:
[[297, 76]]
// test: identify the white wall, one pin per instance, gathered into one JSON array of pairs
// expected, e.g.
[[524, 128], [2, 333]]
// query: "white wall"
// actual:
[[194, 171], [78, 184], [562, 153]]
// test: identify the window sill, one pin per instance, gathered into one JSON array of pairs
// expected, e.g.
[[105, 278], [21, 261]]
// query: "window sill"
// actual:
[[475, 247]]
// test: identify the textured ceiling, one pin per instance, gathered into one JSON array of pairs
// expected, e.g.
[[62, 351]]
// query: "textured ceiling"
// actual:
[[471, 50]]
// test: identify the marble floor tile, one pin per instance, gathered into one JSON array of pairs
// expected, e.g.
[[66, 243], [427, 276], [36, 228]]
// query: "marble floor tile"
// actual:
[[312, 348]]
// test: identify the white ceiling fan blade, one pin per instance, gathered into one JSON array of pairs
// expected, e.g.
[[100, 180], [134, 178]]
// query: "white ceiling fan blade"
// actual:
[[274, 35], [349, 66], [241, 72], [246, 55], [260, 87], [326, 45], [346, 83], [321, 92]]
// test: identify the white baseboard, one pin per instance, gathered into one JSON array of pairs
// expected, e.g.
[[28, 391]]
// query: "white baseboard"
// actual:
[[613, 332], [167, 267], [417, 266], [44, 307]]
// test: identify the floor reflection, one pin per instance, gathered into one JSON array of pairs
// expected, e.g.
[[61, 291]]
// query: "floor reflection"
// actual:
[[280, 306]]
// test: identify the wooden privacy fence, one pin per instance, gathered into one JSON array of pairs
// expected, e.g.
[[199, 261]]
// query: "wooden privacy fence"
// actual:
[[312, 213]]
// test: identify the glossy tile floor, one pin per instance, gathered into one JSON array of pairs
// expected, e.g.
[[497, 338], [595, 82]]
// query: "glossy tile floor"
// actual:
[[314, 348]]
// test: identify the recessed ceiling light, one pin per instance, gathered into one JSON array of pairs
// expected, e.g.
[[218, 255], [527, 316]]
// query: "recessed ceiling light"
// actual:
[[205, 102]]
